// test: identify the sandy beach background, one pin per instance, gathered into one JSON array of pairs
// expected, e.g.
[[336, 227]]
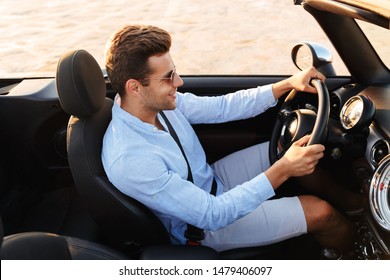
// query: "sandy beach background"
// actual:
[[215, 37]]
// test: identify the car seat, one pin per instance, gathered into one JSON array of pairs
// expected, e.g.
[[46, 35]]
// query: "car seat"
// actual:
[[82, 92], [48, 246]]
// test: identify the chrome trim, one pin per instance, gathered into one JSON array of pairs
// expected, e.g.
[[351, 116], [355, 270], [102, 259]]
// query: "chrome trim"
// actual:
[[376, 236], [379, 194]]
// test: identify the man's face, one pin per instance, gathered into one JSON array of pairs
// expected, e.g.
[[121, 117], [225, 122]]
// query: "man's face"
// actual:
[[160, 94]]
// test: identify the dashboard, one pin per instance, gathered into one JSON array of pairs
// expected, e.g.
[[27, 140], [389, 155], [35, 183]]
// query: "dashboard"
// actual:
[[364, 116], [363, 113]]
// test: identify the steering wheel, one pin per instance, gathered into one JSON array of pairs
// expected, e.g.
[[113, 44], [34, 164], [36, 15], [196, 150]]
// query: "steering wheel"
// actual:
[[291, 124]]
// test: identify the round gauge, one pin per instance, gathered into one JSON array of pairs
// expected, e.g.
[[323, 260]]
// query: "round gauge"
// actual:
[[351, 112], [357, 112], [379, 196]]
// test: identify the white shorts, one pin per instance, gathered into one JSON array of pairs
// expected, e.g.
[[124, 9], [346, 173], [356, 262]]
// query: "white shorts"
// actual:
[[273, 221]]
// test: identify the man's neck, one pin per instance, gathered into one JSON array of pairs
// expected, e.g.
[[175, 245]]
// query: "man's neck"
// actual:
[[141, 113]]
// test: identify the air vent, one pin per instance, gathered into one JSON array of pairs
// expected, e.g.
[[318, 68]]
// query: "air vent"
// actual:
[[335, 104], [349, 86], [378, 151]]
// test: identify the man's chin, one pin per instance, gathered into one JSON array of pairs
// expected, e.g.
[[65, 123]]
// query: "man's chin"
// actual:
[[171, 106]]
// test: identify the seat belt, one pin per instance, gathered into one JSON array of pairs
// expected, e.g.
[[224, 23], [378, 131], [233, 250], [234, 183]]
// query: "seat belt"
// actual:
[[193, 234]]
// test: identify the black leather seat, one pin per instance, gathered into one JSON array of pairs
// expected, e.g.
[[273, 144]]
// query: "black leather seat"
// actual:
[[47, 246], [129, 225]]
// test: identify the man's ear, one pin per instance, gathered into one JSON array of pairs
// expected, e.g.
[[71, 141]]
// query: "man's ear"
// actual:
[[132, 86]]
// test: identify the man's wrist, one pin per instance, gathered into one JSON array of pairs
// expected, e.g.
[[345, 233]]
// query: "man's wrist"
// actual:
[[278, 173], [281, 87]]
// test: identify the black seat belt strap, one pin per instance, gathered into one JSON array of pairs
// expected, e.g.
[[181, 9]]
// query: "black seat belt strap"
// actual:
[[193, 234], [176, 138]]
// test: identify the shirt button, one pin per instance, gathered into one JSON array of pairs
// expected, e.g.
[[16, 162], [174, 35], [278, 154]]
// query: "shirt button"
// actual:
[[155, 129]]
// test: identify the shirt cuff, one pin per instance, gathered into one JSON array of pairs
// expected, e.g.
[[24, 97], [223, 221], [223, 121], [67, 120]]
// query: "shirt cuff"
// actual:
[[264, 186]]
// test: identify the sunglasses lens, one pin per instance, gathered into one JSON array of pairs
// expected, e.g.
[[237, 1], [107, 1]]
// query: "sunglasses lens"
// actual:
[[173, 77]]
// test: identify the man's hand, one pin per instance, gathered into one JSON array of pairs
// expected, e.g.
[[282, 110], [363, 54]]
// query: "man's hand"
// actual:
[[299, 160], [302, 159], [299, 82]]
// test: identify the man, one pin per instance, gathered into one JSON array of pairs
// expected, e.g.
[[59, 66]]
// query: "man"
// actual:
[[143, 160]]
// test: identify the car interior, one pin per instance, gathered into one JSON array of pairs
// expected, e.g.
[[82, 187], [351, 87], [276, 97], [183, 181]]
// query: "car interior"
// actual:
[[56, 201]]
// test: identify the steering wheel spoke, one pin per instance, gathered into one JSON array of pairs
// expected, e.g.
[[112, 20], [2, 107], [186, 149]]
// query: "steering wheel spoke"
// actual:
[[283, 114]]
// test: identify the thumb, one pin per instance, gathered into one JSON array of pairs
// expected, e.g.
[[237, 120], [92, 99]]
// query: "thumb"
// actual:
[[302, 141]]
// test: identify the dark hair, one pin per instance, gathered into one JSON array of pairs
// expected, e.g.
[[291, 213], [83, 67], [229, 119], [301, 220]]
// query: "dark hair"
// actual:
[[128, 51]]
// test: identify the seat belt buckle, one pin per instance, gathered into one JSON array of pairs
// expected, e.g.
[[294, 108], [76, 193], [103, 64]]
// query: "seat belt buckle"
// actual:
[[194, 238], [193, 243]]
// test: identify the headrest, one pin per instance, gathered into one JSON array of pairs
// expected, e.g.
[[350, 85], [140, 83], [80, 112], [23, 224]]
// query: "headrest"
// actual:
[[80, 84]]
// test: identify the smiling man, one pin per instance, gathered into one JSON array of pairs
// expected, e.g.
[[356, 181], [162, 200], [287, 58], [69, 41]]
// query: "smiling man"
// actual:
[[151, 153]]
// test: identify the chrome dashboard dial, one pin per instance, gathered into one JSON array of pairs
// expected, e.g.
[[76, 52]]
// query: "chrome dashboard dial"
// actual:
[[379, 195], [357, 113]]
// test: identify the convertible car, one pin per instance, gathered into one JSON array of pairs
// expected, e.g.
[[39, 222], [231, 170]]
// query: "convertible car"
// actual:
[[57, 203]]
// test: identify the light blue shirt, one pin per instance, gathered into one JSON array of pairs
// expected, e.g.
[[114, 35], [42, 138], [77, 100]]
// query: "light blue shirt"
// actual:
[[145, 163]]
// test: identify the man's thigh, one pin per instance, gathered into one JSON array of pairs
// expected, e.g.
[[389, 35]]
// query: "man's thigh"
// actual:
[[242, 165], [273, 221]]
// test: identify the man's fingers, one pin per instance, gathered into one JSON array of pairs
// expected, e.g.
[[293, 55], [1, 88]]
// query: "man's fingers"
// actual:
[[302, 141]]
